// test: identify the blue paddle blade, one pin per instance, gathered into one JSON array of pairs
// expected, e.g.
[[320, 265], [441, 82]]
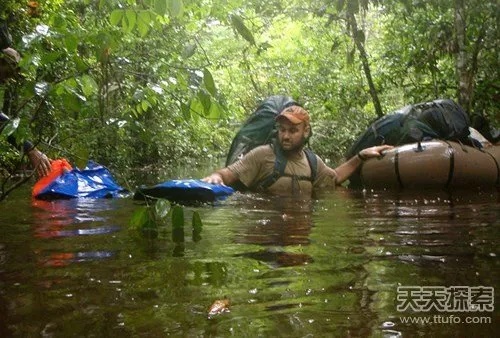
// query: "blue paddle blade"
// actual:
[[185, 191]]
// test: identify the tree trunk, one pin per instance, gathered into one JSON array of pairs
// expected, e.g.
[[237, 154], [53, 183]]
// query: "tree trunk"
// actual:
[[463, 75], [358, 38], [466, 62]]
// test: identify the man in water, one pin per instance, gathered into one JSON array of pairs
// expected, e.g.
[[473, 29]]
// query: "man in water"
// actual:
[[9, 59], [293, 131]]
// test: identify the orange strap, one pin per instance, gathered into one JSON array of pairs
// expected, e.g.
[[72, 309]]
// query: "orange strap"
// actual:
[[57, 168]]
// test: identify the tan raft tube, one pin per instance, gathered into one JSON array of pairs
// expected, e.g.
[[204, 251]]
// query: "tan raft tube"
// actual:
[[433, 164]]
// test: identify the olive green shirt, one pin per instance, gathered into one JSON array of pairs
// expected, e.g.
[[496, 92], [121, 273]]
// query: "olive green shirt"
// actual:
[[259, 164]]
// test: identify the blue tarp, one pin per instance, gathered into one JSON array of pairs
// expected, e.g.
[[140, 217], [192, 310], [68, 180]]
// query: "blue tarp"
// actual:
[[185, 191], [94, 181]]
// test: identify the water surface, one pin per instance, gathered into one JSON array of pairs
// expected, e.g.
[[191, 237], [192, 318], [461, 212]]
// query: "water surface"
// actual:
[[289, 267]]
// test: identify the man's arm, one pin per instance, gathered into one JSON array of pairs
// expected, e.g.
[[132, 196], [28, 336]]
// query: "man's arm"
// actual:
[[247, 169], [39, 161], [346, 169], [221, 176]]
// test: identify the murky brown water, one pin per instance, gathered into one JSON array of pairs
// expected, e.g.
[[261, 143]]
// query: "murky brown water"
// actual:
[[291, 268]]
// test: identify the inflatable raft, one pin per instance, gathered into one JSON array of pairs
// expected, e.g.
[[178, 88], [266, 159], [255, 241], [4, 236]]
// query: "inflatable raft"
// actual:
[[433, 164]]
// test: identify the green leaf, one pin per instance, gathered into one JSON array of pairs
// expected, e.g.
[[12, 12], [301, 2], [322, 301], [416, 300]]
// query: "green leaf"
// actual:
[[139, 217], [239, 25], [131, 19], [71, 42], [208, 80], [116, 16], [177, 217], [162, 207], [71, 102], [143, 22], [196, 108], [149, 228], [161, 7], [10, 127], [176, 8], [186, 111], [82, 156], [178, 235], [216, 111], [138, 110], [196, 220], [205, 101], [189, 50], [60, 23], [89, 86], [80, 64]]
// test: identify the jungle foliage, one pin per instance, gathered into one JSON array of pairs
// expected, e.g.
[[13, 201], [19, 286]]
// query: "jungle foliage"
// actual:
[[137, 83]]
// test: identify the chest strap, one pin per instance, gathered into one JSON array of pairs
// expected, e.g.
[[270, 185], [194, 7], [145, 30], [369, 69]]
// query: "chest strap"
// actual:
[[280, 165]]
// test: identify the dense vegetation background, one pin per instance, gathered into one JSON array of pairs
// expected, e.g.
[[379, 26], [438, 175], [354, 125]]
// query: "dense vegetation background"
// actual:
[[136, 83]]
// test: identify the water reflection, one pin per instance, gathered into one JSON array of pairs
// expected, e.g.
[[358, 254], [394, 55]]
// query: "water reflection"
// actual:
[[276, 223], [65, 258], [70, 218], [328, 267], [278, 258], [59, 218], [280, 221], [428, 238]]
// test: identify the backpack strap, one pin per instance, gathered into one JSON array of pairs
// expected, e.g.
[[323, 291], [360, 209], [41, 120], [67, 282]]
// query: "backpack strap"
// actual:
[[280, 165], [313, 163], [278, 170]]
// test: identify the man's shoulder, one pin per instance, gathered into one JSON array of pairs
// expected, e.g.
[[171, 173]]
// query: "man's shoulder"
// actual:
[[262, 149]]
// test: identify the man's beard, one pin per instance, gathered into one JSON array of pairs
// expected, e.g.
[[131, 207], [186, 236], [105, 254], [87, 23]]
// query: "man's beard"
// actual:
[[295, 148]]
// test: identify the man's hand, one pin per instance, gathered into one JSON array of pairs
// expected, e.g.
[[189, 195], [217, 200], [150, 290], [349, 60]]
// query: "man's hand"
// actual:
[[371, 152], [40, 162], [214, 178]]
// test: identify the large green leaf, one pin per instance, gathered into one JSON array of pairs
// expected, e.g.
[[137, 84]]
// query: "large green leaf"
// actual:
[[162, 207], [197, 226], [71, 102], [208, 80], [116, 16], [239, 25], [89, 86], [143, 219], [196, 221], [161, 7], [216, 111], [177, 217], [196, 108], [82, 154], [176, 8], [131, 20], [60, 23], [71, 42], [186, 111], [139, 217], [143, 22], [205, 101]]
